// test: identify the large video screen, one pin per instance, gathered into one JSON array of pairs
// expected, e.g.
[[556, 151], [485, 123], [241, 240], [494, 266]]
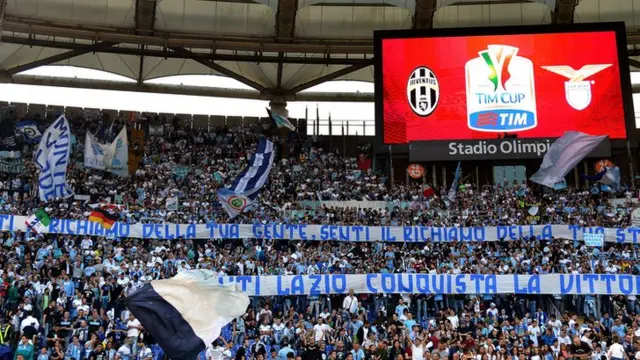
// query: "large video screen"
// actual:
[[530, 85]]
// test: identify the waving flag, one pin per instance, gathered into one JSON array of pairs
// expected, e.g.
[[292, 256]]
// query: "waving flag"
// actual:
[[94, 153], [610, 176], [116, 155], [246, 186], [281, 121], [103, 217], [38, 222], [565, 153], [454, 185], [52, 158], [30, 131], [186, 313]]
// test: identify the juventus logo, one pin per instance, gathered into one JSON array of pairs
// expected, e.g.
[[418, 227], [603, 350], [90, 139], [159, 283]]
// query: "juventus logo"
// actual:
[[423, 91]]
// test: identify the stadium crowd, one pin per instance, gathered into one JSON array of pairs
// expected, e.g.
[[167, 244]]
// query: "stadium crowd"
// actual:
[[61, 295], [193, 163]]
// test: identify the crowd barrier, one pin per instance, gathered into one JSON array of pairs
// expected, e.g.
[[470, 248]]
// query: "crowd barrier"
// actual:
[[326, 232], [550, 284]]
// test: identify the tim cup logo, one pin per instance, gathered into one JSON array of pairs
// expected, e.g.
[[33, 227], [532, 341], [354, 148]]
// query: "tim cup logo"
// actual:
[[577, 90], [500, 91]]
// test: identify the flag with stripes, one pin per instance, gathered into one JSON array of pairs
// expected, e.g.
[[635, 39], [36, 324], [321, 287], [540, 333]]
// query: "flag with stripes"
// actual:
[[103, 217], [246, 186]]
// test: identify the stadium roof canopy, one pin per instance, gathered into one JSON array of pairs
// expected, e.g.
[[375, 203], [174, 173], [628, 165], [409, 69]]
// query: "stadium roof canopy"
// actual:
[[276, 47]]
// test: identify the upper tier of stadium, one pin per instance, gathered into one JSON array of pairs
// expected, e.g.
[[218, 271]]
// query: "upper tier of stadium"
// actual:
[[278, 48]]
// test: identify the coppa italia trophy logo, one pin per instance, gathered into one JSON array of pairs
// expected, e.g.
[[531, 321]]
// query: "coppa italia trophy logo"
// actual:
[[501, 93], [577, 90]]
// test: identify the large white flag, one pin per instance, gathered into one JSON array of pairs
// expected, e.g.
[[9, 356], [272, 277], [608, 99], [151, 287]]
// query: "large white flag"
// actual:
[[116, 158], [565, 153], [94, 153], [186, 313], [52, 158]]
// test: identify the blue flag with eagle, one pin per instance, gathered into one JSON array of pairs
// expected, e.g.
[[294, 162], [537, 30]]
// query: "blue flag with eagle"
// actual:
[[247, 185]]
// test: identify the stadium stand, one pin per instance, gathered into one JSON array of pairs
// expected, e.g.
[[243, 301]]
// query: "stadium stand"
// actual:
[[61, 294]]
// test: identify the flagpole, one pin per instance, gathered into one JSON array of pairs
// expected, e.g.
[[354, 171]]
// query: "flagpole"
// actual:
[[330, 133], [313, 131], [344, 142], [390, 167], [306, 120], [630, 163], [317, 120], [111, 127]]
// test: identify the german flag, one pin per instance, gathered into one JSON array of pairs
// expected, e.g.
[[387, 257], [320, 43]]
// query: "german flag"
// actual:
[[103, 217]]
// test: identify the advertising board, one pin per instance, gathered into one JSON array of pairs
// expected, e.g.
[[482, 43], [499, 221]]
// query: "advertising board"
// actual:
[[533, 82]]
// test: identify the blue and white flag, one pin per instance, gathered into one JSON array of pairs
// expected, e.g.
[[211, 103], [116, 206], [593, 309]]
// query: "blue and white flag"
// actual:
[[52, 158], [610, 177], [281, 121], [94, 153], [116, 156], [246, 186], [30, 131], [565, 153], [171, 204], [454, 185], [112, 157], [186, 313]]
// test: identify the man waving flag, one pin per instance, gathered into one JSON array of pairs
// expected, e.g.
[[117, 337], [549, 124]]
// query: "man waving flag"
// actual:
[[186, 313]]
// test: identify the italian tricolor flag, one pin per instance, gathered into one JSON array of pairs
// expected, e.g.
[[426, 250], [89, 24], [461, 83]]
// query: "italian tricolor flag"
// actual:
[[38, 222]]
